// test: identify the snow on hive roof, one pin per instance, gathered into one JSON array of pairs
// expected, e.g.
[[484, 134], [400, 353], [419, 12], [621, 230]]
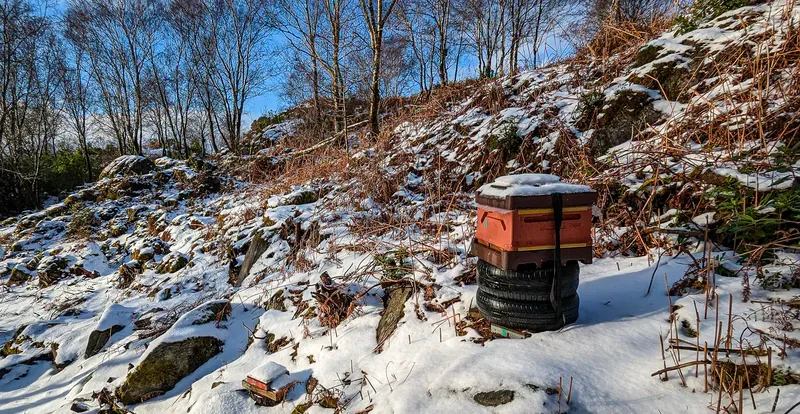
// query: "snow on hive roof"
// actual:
[[268, 372], [529, 185], [527, 179]]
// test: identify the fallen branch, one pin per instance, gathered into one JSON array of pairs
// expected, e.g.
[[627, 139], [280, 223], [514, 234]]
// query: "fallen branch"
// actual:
[[680, 366], [326, 141]]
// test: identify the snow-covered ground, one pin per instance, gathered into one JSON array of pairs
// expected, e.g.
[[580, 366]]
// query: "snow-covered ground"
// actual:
[[95, 289]]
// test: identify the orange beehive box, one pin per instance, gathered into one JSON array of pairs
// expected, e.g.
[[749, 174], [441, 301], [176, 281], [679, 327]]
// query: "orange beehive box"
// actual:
[[516, 221]]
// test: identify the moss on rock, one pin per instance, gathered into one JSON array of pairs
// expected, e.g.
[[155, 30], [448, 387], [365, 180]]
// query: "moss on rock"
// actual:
[[172, 263], [624, 116], [165, 366], [669, 78]]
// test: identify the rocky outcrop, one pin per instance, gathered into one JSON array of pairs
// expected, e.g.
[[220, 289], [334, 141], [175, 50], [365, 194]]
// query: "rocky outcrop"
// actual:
[[167, 364], [127, 165], [172, 263], [624, 115]]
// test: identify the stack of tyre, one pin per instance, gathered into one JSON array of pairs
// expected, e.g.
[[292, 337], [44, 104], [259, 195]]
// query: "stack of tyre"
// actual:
[[521, 298]]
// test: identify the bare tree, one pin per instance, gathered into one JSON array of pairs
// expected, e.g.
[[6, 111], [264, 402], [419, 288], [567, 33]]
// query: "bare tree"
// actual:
[[376, 14], [228, 39], [300, 24], [76, 100], [117, 37]]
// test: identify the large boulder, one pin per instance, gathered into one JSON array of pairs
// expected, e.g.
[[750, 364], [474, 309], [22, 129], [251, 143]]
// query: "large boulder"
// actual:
[[167, 364], [127, 165], [193, 340]]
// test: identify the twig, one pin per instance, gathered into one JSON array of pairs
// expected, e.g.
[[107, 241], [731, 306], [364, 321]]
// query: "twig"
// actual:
[[680, 366]]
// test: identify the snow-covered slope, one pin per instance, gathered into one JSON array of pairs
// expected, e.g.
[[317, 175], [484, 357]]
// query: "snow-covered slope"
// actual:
[[187, 261]]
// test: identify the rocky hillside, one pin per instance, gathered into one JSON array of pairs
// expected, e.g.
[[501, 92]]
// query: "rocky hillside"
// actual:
[[158, 288]]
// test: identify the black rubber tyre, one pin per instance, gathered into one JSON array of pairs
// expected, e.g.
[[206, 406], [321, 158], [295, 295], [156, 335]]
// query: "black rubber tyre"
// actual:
[[533, 285], [532, 316]]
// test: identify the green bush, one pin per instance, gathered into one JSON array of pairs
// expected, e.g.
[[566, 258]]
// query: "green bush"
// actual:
[[704, 10], [63, 171], [395, 264], [754, 225], [506, 140]]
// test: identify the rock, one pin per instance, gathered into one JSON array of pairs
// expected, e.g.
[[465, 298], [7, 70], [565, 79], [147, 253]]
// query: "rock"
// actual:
[[670, 78], [624, 116], [120, 187], [19, 275], [24, 360], [145, 320], [79, 407], [98, 339], [167, 364], [85, 195], [79, 270], [83, 223], [143, 255], [30, 221], [212, 311], [128, 165], [146, 250], [172, 263], [116, 228], [647, 54], [393, 301], [51, 269], [127, 274], [111, 321], [56, 210], [305, 197], [59, 366], [10, 347], [494, 398], [258, 246]]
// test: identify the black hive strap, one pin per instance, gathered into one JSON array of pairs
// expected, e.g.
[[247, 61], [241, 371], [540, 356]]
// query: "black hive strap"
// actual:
[[555, 291]]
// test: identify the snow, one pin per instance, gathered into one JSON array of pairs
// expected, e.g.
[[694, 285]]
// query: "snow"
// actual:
[[268, 372], [529, 185], [114, 315], [609, 354], [771, 180], [527, 179]]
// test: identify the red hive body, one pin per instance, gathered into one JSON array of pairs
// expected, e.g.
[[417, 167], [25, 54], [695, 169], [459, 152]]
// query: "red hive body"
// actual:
[[516, 221]]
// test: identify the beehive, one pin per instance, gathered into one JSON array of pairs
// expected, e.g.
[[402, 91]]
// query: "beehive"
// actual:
[[516, 222]]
